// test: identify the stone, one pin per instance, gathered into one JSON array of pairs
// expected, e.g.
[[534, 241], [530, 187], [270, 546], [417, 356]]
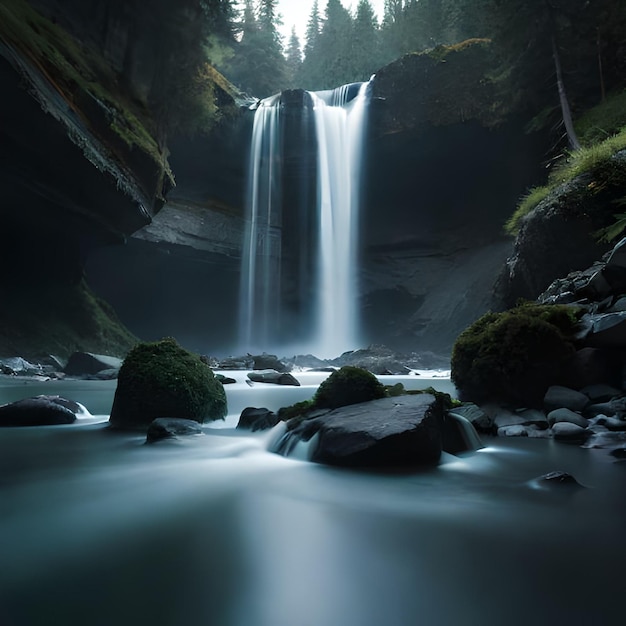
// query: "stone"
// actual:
[[607, 330], [276, 378], [617, 257], [504, 417], [557, 480], [517, 430], [600, 392], [565, 415], [225, 380], [85, 363], [534, 417], [570, 433], [40, 411], [611, 423], [257, 419], [477, 417], [162, 379], [558, 397], [171, 428], [390, 432], [459, 435], [269, 362]]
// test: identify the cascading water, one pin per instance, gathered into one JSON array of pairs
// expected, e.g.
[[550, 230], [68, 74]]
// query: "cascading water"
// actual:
[[339, 119]]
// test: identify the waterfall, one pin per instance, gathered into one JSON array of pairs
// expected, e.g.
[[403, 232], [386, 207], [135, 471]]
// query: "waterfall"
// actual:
[[312, 308]]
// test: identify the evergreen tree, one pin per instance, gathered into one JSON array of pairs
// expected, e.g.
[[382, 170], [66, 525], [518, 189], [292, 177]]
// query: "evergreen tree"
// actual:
[[335, 47], [294, 60], [365, 42], [258, 66], [310, 72]]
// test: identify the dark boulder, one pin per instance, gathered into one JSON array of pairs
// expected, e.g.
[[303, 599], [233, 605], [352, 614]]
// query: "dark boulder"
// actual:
[[271, 376], [257, 419], [40, 411], [87, 363], [405, 431], [171, 428], [269, 362]]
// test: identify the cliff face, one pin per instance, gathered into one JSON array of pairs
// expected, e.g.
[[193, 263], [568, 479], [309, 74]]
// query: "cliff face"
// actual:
[[82, 165]]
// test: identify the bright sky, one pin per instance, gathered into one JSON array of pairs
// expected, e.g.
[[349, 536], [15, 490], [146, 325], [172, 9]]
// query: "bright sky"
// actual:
[[296, 13]]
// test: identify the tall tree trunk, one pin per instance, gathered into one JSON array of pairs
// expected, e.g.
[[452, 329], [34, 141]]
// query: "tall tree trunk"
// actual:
[[566, 112]]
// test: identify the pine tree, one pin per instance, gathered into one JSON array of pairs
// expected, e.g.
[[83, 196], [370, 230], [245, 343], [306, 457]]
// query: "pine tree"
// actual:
[[294, 60], [310, 72], [365, 42]]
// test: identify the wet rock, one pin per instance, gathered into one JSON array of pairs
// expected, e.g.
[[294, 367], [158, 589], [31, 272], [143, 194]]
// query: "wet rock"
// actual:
[[459, 435], [257, 419], [565, 415], [225, 380], [86, 363], [390, 432], [611, 423], [269, 362], [557, 480], [615, 407], [534, 417], [171, 428], [17, 366], [517, 430], [558, 397], [477, 417], [570, 433], [40, 411], [504, 417], [600, 392], [276, 378]]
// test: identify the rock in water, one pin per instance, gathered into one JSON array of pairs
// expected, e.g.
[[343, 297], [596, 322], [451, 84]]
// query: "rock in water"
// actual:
[[257, 419], [86, 363], [276, 378], [40, 411], [171, 428], [404, 431]]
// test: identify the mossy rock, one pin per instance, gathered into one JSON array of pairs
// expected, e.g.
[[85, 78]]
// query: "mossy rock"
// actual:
[[513, 357], [348, 385], [162, 379]]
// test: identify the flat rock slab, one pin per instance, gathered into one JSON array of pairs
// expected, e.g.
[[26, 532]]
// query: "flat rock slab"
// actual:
[[403, 431], [276, 378]]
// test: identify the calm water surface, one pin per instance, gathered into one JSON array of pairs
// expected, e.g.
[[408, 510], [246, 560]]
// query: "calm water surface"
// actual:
[[99, 529]]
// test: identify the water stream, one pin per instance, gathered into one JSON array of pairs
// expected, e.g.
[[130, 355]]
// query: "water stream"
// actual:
[[99, 528]]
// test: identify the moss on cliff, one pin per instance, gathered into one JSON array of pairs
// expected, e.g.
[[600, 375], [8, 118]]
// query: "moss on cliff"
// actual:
[[53, 318], [601, 161]]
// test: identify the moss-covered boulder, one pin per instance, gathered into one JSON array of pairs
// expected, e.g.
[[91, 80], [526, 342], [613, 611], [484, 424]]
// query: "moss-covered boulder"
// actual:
[[513, 357], [162, 379], [348, 385]]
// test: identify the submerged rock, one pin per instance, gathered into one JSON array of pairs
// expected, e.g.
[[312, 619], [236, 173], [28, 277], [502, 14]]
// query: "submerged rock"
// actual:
[[171, 428], [570, 433], [41, 411]]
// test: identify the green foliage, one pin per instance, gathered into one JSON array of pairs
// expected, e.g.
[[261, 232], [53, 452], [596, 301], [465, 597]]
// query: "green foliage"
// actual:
[[613, 231], [603, 121], [162, 379], [597, 160], [348, 385], [287, 412], [514, 356]]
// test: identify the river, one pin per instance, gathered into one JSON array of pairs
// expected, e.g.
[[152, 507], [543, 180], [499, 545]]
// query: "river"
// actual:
[[99, 529]]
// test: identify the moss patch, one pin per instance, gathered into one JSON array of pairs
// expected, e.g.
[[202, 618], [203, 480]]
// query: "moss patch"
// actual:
[[79, 74]]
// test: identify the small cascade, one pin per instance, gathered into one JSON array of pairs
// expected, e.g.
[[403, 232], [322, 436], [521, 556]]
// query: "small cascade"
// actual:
[[305, 303]]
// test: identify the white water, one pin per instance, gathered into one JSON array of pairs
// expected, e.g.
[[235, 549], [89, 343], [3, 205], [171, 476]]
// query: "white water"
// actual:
[[340, 124], [260, 272], [97, 528]]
